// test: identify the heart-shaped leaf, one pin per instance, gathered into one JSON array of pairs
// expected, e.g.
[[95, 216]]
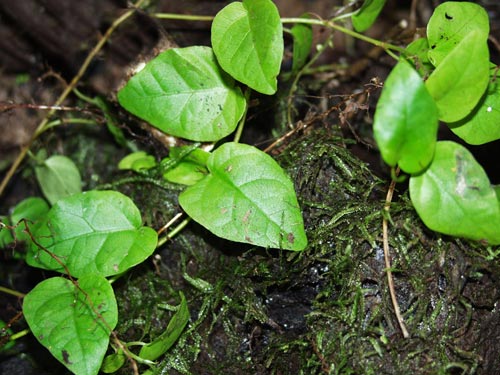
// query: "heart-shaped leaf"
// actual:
[[483, 124], [58, 177], [459, 82], [73, 323], [367, 14], [240, 202], [405, 122], [96, 231], [247, 39], [454, 196], [183, 92], [450, 23]]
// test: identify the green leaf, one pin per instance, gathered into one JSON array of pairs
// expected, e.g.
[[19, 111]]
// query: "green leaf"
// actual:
[[248, 41], [6, 237], [185, 173], [417, 53], [96, 231], [459, 82], [73, 323], [450, 23], [183, 92], [454, 196], [367, 14], [137, 161], [190, 169], [32, 210], [483, 124], [302, 42], [58, 177], [405, 122], [174, 329], [247, 197], [113, 362], [6, 333]]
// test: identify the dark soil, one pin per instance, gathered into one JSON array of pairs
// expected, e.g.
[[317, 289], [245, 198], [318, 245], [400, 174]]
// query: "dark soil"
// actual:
[[326, 310]]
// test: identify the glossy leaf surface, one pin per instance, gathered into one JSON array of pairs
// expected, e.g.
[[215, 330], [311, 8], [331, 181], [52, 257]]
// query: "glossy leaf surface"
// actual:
[[454, 196], [96, 231], [183, 92], [69, 322], [459, 82], [247, 39], [58, 177], [243, 203], [405, 123], [450, 23], [483, 124]]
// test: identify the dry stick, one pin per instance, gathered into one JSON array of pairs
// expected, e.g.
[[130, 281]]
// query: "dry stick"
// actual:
[[392, 292], [41, 127]]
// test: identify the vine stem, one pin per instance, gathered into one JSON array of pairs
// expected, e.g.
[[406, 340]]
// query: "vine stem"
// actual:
[[388, 270], [12, 292], [83, 68], [308, 21]]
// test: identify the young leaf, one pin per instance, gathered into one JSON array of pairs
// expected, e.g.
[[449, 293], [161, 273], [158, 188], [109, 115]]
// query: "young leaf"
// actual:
[[96, 231], [367, 14], [454, 196], [302, 42], [240, 202], [174, 329], [73, 325], [459, 82], [183, 92], [58, 177], [483, 124], [188, 169], [247, 39], [450, 23], [113, 362], [185, 173], [405, 122], [137, 161]]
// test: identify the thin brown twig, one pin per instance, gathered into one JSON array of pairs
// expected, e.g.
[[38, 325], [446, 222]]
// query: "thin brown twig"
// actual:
[[388, 269], [42, 126]]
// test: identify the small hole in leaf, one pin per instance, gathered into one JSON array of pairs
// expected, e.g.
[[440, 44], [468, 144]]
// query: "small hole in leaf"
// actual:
[[448, 17]]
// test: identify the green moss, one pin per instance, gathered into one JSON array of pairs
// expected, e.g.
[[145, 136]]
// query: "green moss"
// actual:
[[327, 309]]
